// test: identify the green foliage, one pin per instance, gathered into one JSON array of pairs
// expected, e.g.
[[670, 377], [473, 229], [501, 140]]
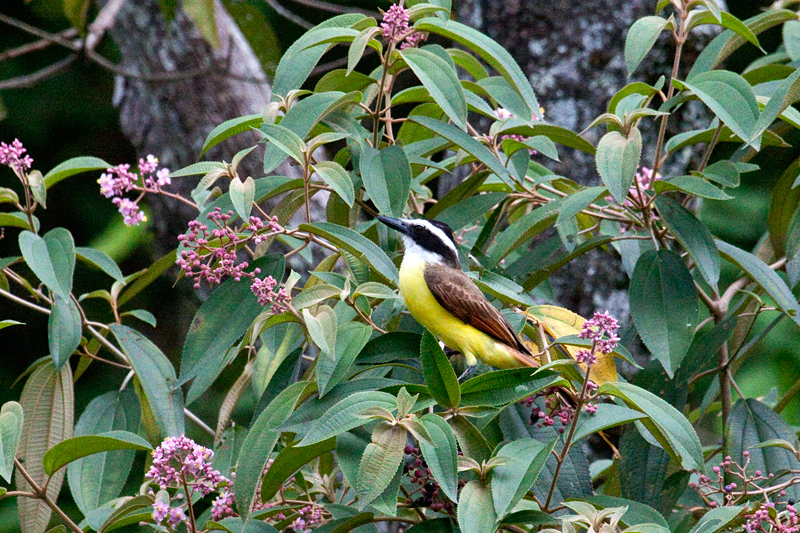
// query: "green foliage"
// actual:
[[356, 414]]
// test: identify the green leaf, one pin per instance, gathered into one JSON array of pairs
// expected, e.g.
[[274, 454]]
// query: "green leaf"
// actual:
[[523, 229], [298, 61], [570, 208], [225, 131], [691, 185], [72, 449], [359, 44], [636, 514], [499, 89], [356, 244], [726, 20], [471, 441], [73, 166], [617, 160], [723, 172], [51, 258], [64, 329], [787, 92], [221, 320], [337, 178], [48, 402], [439, 374], [557, 134], [468, 210], [101, 260], [387, 178], [718, 519], [373, 289], [97, 479], [488, 50], [333, 368], [442, 82], [499, 388], [259, 443], [730, 97], [392, 346], [289, 461], [751, 423], [286, 140], [476, 512], [724, 44], [641, 37], [607, 416], [762, 274], [664, 306], [441, 454], [11, 422], [693, 236], [242, 194], [467, 143], [782, 209], [380, 462], [157, 378], [322, 328], [346, 414], [512, 480], [665, 423]]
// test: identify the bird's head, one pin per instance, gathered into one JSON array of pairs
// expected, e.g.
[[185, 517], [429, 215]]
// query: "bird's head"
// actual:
[[430, 240]]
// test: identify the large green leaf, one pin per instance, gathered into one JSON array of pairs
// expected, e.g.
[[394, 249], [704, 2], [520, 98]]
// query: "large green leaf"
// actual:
[[442, 82], [75, 448], [439, 374], [617, 160], [63, 329], [380, 462], [73, 166], [665, 423], [157, 378], [476, 513], [221, 320], [346, 414], [488, 50], [99, 478], [441, 454], [693, 236], [392, 346], [298, 61], [664, 306], [718, 519], [467, 143], [48, 402], [356, 244], [229, 128], [525, 458], [259, 443], [731, 98], [641, 37], [11, 423], [752, 423], [337, 179], [101, 260], [333, 368], [289, 461], [52, 258], [387, 178], [523, 229], [764, 276], [503, 387], [606, 416]]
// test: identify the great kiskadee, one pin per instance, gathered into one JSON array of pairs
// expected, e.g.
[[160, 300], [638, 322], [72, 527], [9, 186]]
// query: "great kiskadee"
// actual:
[[443, 299]]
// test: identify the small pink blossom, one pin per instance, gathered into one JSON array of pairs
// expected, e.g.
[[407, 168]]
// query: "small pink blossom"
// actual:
[[12, 155]]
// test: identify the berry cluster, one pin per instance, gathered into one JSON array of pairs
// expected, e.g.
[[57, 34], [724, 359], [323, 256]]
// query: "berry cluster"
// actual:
[[767, 518], [119, 180], [555, 408], [396, 28], [264, 291], [214, 262], [596, 328], [746, 483], [415, 467], [12, 156]]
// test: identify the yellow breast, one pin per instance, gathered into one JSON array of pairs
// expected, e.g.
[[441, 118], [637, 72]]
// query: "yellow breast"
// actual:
[[468, 340]]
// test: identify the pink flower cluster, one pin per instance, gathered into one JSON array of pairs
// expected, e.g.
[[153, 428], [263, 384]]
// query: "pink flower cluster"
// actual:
[[119, 180], [395, 27], [599, 325], [768, 520], [201, 260], [12, 156], [179, 462], [306, 516], [264, 291]]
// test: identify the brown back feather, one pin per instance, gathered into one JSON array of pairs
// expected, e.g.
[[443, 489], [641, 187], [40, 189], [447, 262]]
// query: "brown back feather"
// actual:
[[454, 291]]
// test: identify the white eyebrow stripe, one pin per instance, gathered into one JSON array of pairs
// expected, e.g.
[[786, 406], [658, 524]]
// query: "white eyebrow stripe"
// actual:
[[436, 231]]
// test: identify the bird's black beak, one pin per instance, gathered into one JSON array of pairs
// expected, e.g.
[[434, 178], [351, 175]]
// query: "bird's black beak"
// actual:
[[394, 223]]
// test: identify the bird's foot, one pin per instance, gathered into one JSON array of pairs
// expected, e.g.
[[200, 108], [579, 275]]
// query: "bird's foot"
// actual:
[[466, 374]]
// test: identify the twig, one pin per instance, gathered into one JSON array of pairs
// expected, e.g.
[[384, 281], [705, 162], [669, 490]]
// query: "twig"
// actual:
[[29, 80], [336, 8], [285, 13], [42, 495], [194, 418]]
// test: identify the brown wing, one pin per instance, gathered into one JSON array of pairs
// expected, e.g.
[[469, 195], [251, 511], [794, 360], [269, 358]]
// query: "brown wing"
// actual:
[[456, 293]]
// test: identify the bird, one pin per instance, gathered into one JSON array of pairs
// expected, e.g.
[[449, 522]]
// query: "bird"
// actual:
[[443, 299]]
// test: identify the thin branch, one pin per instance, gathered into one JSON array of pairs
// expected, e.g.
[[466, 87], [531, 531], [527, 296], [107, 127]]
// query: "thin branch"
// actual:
[[33, 30], [26, 303], [285, 13], [336, 8], [36, 45], [194, 418], [29, 80], [42, 495]]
